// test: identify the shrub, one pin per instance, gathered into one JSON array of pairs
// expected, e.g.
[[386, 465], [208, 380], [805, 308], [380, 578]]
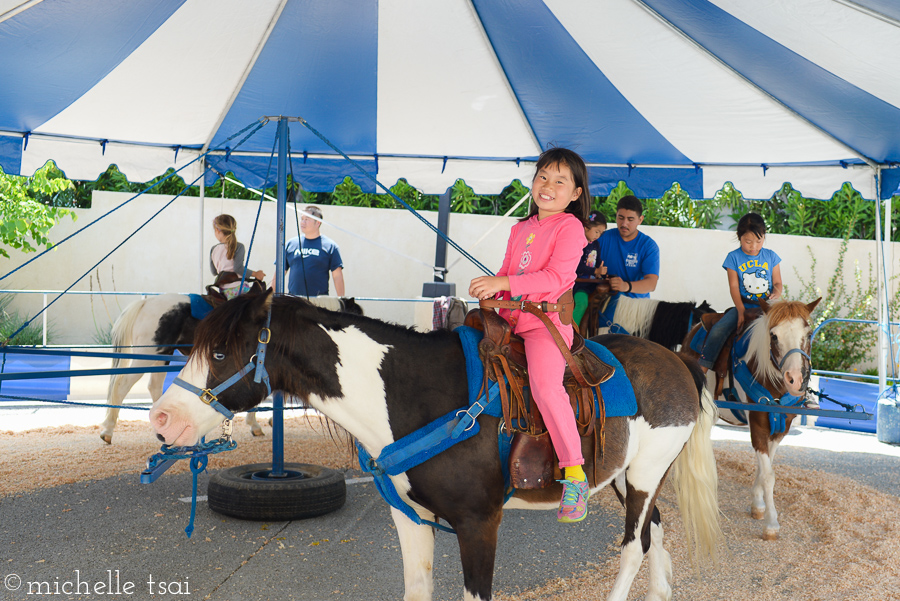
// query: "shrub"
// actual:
[[10, 321], [840, 346]]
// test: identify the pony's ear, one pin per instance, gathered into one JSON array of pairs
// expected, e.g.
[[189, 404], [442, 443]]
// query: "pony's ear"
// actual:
[[263, 304], [763, 305], [811, 306]]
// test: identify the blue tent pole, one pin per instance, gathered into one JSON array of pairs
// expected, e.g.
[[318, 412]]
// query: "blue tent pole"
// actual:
[[281, 201]]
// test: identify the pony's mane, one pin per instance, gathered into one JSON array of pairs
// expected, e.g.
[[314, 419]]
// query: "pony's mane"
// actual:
[[223, 326], [636, 314], [758, 347]]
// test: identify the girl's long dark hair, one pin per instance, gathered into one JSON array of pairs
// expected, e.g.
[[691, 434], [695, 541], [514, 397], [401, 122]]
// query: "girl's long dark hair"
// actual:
[[751, 222], [581, 206]]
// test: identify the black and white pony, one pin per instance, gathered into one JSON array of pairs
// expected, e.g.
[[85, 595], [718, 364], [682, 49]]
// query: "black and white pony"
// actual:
[[662, 322], [160, 324], [381, 382], [774, 351]]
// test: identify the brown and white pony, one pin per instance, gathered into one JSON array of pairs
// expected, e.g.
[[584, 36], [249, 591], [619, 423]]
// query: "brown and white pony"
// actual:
[[776, 364], [160, 324], [381, 382]]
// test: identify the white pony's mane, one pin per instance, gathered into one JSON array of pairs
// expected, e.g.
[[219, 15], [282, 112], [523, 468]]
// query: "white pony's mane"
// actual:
[[635, 314]]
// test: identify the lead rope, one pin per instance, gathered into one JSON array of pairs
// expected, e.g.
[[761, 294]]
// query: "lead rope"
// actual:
[[199, 458], [198, 465]]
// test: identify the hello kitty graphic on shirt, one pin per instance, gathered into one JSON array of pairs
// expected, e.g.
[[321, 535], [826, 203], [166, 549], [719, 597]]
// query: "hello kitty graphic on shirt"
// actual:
[[756, 284], [754, 273]]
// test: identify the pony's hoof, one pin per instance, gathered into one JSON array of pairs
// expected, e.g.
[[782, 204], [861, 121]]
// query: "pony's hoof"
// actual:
[[257, 431], [107, 438], [757, 513], [770, 534], [659, 596]]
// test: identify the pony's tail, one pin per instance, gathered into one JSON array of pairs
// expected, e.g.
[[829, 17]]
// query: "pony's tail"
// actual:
[[121, 339], [696, 484]]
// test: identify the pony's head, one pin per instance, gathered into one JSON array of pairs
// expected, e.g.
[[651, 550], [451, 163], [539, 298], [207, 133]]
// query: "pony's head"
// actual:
[[701, 310], [226, 341], [780, 345]]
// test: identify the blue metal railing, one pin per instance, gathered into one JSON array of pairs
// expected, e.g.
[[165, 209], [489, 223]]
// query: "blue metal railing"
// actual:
[[821, 372]]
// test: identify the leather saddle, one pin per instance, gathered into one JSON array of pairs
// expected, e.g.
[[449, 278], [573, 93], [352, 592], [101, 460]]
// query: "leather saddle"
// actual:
[[532, 461], [215, 296]]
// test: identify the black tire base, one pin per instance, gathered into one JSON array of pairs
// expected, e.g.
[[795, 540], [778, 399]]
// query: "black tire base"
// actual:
[[244, 492]]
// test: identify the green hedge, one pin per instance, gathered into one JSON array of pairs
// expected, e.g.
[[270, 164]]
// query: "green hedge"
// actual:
[[787, 212]]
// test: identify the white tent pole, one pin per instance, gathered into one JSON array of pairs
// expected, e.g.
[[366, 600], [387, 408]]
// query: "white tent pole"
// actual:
[[888, 262], [882, 293]]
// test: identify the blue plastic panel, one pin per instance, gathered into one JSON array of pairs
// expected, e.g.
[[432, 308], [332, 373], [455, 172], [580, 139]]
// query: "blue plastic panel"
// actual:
[[847, 391], [56, 389]]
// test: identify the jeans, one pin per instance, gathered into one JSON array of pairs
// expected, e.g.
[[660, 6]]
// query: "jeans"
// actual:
[[717, 336]]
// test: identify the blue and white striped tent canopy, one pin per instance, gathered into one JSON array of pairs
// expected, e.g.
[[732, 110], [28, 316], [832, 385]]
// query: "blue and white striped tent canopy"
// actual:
[[649, 91]]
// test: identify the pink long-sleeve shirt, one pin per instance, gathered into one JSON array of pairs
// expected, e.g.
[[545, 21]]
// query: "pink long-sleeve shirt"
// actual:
[[541, 257]]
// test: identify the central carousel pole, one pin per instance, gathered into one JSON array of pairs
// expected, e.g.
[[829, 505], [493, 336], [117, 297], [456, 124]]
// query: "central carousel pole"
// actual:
[[279, 491], [281, 204]]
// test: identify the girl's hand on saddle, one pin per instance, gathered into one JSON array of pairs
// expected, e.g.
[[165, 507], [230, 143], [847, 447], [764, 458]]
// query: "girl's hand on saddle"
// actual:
[[259, 275], [740, 318], [487, 286]]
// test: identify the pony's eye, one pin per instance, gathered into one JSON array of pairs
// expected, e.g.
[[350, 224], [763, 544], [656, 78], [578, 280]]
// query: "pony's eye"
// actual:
[[773, 337], [218, 356]]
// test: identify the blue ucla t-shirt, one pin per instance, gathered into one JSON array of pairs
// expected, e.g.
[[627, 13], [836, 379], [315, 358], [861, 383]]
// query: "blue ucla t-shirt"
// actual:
[[754, 273], [630, 260], [309, 263]]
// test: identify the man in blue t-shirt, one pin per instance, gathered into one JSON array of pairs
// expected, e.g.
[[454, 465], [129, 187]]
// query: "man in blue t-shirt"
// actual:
[[631, 258], [308, 259]]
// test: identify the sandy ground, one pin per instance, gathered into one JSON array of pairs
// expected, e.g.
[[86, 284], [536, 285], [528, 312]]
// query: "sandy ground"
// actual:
[[839, 539]]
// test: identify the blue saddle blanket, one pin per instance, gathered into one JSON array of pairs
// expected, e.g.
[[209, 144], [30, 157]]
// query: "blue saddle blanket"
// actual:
[[618, 394], [199, 307]]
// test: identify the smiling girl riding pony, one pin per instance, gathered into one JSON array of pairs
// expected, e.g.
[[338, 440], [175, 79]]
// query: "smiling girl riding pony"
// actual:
[[543, 251]]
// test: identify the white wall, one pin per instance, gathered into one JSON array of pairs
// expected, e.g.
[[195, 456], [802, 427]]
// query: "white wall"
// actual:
[[170, 254]]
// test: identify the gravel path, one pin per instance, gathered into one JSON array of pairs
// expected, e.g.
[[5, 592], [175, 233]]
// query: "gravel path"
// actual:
[[837, 494]]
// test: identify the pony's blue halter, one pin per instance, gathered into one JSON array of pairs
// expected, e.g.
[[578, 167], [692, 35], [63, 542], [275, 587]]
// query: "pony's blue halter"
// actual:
[[755, 391], [780, 364], [199, 453], [257, 362]]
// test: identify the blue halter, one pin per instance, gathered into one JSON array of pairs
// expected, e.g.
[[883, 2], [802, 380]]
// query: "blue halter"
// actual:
[[756, 392], [199, 453], [257, 362]]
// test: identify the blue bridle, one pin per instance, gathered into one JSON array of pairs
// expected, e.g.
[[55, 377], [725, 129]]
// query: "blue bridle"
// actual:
[[780, 364], [755, 391], [257, 362]]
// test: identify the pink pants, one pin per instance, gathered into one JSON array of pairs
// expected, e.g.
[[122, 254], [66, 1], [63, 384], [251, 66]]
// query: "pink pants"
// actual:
[[546, 366]]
